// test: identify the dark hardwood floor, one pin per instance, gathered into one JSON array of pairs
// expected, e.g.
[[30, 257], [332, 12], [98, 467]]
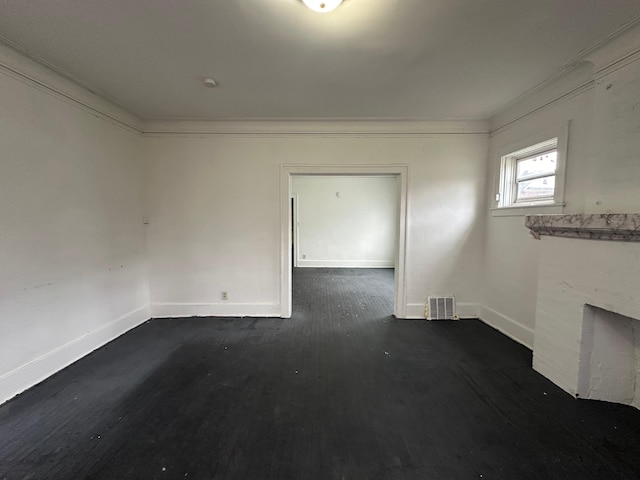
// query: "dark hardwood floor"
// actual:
[[340, 391]]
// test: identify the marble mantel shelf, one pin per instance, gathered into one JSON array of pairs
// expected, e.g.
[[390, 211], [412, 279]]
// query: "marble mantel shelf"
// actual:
[[623, 227]]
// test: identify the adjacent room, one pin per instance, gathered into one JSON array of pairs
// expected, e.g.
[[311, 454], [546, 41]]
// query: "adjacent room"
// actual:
[[345, 225], [340, 239]]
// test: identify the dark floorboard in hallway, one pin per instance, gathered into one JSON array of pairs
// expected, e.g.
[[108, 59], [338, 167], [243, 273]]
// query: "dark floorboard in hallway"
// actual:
[[341, 391]]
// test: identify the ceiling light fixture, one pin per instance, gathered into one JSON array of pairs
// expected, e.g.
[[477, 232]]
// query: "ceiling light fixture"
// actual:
[[322, 6]]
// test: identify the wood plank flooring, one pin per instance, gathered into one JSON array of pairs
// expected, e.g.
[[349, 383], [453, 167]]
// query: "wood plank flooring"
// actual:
[[342, 391]]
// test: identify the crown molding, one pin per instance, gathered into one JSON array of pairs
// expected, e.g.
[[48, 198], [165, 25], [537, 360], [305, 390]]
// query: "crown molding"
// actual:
[[612, 46], [24, 68], [324, 127], [20, 65], [617, 51], [499, 124], [35, 73], [578, 75], [630, 58]]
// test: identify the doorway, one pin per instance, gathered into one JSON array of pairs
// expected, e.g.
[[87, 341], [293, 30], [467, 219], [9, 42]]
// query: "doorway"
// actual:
[[294, 228], [288, 227]]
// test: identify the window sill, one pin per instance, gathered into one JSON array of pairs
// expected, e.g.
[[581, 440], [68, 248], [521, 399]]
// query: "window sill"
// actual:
[[522, 210]]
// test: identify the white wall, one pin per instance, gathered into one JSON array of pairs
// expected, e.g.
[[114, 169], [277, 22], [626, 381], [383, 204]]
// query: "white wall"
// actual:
[[601, 100], [72, 245], [511, 256], [614, 174], [213, 204], [346, 221], [575, 273]]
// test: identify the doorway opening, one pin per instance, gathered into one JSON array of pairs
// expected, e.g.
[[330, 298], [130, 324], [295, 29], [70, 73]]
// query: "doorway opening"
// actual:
[[292, 255], [294, 233]]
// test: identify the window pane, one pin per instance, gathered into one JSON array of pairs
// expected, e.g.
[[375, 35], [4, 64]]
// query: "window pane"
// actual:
[[537, 188], [543, 163]]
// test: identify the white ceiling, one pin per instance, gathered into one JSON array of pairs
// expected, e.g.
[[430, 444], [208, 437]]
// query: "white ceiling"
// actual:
[[382, 59]]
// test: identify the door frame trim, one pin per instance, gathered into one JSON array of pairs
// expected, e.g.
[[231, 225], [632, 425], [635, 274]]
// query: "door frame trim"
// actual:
[[287, 171]]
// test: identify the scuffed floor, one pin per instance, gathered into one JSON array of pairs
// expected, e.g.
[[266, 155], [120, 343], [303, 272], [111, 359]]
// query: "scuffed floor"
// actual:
[[340, 391]]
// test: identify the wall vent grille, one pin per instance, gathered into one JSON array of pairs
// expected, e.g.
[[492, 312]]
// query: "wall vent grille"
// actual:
[[441, 308]]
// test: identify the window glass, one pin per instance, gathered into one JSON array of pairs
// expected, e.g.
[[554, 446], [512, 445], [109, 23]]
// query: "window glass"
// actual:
[[536, 188], [544, 163], [531, 175]]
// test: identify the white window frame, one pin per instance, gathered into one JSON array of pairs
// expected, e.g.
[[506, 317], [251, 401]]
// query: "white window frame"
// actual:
[[508, 192], [505, 203]]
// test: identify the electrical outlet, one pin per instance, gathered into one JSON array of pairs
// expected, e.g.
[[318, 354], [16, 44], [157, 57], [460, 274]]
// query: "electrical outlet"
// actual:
[[225, 295]]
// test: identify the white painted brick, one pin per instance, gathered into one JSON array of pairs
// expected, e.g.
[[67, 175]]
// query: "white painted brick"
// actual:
[[573, 273]]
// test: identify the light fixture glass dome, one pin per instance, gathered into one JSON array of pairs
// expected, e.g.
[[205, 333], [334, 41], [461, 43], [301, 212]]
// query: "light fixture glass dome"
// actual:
[[322, 6]]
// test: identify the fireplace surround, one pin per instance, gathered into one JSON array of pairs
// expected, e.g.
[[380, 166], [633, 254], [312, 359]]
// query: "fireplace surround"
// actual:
[[586, 337]]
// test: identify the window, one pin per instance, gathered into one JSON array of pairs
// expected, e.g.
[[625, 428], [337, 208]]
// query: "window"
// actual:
[[533, 175], [529, 175]]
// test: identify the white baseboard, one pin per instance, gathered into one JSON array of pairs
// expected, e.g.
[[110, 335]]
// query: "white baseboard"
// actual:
[[494, 319], [414, 311], [25, 376], [178, 310], [345, 263], [508, 326], [463, 310]]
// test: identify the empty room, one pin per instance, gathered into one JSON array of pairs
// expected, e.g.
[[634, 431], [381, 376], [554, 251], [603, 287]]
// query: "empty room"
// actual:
[[320, 239]]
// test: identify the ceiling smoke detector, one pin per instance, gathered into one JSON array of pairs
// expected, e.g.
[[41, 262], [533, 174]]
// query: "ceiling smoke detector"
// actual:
[[210, 82], [322, 6]]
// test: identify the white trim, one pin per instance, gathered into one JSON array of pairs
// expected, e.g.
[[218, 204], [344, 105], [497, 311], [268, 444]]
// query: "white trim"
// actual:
[[609, 47], [345, 263], [180, 310], [286, 173], [463, 310], [559, 131], [508, 326], [34, 73], [467, 310], [570, 92], [614, 51], [622, 49], [296, 226], [617, 65], [563, 96], [320, 127], [533, 209], [414, 311], [31, 373]]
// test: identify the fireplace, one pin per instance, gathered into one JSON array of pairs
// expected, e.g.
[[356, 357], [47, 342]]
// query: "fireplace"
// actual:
[[588, 304], [609, 357]]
